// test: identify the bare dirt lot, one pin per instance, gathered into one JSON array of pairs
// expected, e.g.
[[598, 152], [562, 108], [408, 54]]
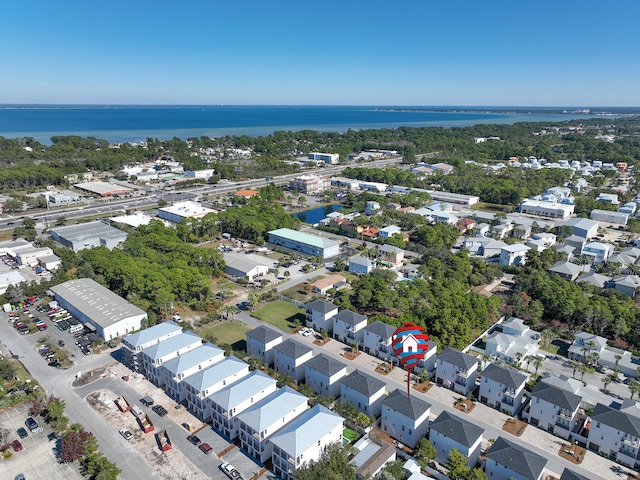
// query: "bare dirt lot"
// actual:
[[170, 465]]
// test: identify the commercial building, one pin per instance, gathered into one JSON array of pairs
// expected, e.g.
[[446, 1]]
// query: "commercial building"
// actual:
[[330, 158], [179, 211], [304, 243], [88, 235], [310, 184], [88, 301], [545, 209], [103, 189], [201, 174], [607, 216], [246, 266], [582, 227], [10, 278]]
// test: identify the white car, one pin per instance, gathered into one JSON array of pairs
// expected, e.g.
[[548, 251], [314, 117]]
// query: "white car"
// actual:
[[126, 434]]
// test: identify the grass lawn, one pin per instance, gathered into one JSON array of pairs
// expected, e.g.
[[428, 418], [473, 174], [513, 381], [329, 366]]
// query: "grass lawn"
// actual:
[[284, 315], [350, 435], [492, 207], [232, 333]]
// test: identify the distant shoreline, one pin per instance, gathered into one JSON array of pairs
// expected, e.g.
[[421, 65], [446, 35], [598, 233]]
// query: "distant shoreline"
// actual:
[[122, 123]]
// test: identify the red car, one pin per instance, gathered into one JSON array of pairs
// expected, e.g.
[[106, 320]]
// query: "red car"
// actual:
[[17, 446]]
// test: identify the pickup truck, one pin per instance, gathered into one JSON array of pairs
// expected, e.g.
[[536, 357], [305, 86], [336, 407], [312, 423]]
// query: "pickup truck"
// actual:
[[230, 471]]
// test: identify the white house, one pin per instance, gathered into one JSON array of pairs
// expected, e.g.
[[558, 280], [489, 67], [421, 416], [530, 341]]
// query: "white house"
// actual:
[[156, 354], [405, 418], [491, 248], [507, 460], [228, 403], [320, 315], [389, 231], [364, 392], [261, 341], [175, 370], [348, 327], [361, 265], [515, 254], [207, 382], [502, 388], [377, 340], [456, 370], [304, 439], [553, 409], [449, 431], [289, 358], [616, 434], [515, 341], [371, 208], [323, 375], [265, 418], [598, 252], [134, 343]]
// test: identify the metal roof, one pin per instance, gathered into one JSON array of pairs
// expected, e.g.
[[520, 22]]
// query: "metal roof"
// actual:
[[215, 374], [192, 358], [230, 397], [96, 302], [306, 430], [151, 334], [272, 409], [305, 238]]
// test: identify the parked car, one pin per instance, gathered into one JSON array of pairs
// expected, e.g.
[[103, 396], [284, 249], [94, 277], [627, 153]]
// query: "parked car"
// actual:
[[22, 432], [206, 448], [32, 425], [194, 439], [126, 434], [16, 445], [160, 410]]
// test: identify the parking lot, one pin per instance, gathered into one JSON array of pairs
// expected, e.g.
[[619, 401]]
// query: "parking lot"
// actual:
[[37, 459]]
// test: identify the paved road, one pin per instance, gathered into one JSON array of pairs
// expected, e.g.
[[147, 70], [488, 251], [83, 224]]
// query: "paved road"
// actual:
[[58, 382]]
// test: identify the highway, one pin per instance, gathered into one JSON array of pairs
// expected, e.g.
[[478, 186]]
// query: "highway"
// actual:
[[117, 206]]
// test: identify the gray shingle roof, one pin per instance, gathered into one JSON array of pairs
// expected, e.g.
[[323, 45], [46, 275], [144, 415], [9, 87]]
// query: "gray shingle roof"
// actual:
[[292, 348], [411, 407], [363, 383], [264, 334], [556, 396], [522, 461], [383, 330], [459, 430], [509, 376], [321, 306], [571, 475], [325, 365], [349, 317], [459, 359], [615, 418]]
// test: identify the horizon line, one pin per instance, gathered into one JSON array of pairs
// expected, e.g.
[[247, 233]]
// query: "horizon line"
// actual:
[[109, 105]]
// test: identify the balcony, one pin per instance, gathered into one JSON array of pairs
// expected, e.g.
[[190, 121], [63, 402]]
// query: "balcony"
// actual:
[[507, 400], [564, 415], [351, 335], [562, 424], [461, 380]]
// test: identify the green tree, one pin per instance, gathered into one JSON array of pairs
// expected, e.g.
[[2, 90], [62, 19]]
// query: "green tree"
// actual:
[[425, 452], [457, 465], [333, 464], [8, 369]]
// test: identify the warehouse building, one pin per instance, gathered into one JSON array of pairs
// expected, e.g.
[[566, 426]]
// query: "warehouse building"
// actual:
[[181, 210], [545, 209], [304, 243], [88, 235], [88, 301], [103, 189], [246, 266], [607, 216]]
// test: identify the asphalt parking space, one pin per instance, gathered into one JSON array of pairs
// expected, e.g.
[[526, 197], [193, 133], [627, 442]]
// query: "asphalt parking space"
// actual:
[[245, 465], [37, 460]]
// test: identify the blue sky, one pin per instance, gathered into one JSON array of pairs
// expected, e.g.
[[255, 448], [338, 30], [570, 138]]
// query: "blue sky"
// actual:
[[348, 52]]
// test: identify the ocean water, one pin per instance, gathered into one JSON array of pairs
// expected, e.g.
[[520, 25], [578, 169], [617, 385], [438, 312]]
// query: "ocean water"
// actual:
[[135, 123]]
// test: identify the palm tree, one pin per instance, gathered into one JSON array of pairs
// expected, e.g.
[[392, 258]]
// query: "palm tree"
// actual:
[[519, 356], [229, 310], [583, 369], [634, 388], [606, 381], [618, 357], [528, 358], [537, 363]]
